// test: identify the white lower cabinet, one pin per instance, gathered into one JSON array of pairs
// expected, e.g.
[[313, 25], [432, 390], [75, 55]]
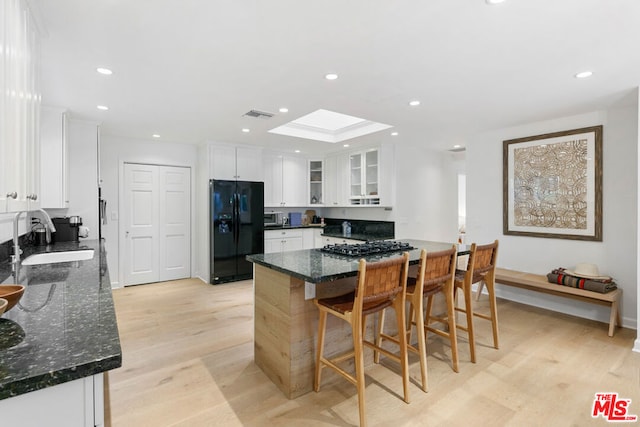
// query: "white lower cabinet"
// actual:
[[77, 403], [282, 240], [288, 240]]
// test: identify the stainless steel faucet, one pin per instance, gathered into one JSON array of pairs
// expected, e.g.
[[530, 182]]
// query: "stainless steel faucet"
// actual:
[[49, 227]]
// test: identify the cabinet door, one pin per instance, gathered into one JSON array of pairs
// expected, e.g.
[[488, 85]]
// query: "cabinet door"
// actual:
[[331, 182], [356, 190], [272, 245], [223, 162], [54, 159], [316, 182], [364, 178], [272, 180], [292, 244], [249, 164], [308, 239], [294, 181]]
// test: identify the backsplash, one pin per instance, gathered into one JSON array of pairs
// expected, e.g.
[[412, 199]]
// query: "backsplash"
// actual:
[[377, 230]]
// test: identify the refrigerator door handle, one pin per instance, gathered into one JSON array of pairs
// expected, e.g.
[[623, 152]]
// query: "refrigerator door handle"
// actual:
[[236, 218]]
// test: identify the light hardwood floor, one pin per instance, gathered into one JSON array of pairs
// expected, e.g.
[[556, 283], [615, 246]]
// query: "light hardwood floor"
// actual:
[[188, 361]]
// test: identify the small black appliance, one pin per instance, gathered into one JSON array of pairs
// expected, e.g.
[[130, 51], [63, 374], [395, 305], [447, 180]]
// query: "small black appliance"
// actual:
[[66, 229]]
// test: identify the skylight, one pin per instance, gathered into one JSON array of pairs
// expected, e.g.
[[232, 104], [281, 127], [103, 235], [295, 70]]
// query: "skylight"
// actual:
[[329, 126]]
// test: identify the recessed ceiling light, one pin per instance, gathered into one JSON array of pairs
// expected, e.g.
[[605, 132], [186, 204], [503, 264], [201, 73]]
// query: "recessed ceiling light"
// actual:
[[394, 133], [297, 151], [414, 103], [456, 146], [102, 107], [105, 71], [284, 110], [331, 76], [584, 74], [345, 145], [155, 135], [245, 130], [494, 1]]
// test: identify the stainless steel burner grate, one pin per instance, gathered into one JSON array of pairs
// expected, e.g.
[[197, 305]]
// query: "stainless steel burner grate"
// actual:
[[367, 248]]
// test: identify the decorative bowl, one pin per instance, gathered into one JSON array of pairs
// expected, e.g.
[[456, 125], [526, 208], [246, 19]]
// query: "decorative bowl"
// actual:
[[12, 293], [3, 305]]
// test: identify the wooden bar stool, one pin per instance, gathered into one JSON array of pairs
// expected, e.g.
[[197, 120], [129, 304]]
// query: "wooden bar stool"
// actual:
[[481, 269], [380, 285], [435, 274], [449, 320]]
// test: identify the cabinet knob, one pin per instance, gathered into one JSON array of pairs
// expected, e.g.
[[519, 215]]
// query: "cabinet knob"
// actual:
[[33, 197], [12, 195]]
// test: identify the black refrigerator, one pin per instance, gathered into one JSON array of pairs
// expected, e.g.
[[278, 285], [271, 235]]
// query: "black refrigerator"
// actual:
[[236, 228]]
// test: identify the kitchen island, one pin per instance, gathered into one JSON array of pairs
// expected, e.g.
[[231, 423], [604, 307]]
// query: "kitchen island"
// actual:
[[286, 319], [58, 341]]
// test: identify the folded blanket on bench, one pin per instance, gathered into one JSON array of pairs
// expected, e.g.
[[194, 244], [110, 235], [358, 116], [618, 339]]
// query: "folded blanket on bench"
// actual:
[[576, 282]]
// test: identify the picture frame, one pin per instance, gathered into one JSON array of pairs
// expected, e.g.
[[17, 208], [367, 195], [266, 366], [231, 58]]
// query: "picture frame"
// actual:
[[552, 185]]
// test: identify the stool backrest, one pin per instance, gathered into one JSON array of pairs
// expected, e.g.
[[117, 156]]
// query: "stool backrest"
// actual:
[[382, 280], [485, 258], [439, 267]]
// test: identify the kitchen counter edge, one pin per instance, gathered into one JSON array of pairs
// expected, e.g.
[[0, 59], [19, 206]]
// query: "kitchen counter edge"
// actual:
[[93, 365]]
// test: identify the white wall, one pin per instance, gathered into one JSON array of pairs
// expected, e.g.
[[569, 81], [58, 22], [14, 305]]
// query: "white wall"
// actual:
[[114, 152], [615, 256], [202, 215]]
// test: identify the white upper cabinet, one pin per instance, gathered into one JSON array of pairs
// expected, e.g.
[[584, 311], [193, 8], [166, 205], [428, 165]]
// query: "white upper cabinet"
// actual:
[[235, 163], [19, 110], [360, 178], [54, 158], [286, 180], [316, 182], [364, 178], [335, 179]]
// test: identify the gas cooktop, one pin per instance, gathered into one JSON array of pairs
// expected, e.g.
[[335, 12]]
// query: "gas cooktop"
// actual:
[[367, 248]]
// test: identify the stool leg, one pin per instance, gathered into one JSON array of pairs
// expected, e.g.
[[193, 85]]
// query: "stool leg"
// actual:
[[402, 338], [494, 309], [356, 330], [468, 308], [451, 320], [479, 291], [427, 315], [416, 312], [322, 321], [376, 353]]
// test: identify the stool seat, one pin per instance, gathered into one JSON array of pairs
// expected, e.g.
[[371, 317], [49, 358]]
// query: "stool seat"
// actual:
[[344, 304]]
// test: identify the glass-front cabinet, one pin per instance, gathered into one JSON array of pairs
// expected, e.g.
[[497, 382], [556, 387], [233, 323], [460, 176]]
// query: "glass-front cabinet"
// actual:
[[364, 178], [316, 176]]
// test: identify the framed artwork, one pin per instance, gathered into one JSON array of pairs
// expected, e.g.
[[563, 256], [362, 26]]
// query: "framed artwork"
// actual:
[[552, 185]]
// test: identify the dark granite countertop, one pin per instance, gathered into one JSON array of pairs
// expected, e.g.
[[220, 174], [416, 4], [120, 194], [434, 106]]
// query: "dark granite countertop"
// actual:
[[63, 328], [291, 227], [315, 266]]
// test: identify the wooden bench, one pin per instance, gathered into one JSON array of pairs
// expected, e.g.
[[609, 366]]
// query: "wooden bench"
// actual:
[[539, 283]]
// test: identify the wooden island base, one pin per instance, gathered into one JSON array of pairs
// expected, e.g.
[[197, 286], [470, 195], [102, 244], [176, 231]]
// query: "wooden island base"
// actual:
[[286, 328]]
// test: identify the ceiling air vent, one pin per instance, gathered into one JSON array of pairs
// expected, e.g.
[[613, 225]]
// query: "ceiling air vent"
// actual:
[[457, 150], [259, 114]]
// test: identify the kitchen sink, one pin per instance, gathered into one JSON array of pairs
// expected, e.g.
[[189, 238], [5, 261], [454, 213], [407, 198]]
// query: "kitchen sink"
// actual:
[[53, 257]]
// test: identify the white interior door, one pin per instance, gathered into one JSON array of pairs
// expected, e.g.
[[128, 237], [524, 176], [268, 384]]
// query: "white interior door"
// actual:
[[141, 219], [175, 229], [157, 223]]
